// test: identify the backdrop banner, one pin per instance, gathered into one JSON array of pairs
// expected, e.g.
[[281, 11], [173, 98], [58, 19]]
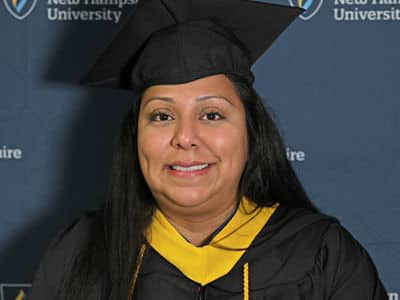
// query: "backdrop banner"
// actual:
[[330, 81]]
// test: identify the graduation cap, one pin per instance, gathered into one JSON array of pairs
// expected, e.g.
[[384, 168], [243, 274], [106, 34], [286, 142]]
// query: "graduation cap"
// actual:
[[177, 41]]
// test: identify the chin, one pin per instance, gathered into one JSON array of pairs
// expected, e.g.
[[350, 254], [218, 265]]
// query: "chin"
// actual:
[[188, 199]]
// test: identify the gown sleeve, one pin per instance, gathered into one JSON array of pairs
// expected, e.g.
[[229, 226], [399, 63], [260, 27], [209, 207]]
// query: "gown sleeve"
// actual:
[[57, 263], [349, 270]]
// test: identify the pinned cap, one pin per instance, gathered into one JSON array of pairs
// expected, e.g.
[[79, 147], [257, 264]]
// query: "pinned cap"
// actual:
[[177, 41]]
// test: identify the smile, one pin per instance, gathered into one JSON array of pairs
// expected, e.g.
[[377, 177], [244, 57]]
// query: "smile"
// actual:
[[188, 169], [182, 169]]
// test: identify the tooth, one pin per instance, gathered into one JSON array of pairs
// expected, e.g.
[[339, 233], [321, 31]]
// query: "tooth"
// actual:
[[191, 168]]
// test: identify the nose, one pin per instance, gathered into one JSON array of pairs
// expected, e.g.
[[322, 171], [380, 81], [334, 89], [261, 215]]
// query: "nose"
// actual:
[[185, 135]]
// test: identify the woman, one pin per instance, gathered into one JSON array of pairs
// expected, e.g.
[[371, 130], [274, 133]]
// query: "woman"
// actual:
[[202, 202]]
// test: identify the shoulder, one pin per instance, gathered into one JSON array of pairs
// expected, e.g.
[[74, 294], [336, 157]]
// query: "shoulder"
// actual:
[[347, 265], [299, 245], [60, 255], [70, 240], [287, 222], [325, 232], [343, 266], [291, 242], [75, 232]]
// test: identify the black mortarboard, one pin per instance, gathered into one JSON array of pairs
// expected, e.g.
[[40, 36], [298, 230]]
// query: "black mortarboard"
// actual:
[[177, 41]]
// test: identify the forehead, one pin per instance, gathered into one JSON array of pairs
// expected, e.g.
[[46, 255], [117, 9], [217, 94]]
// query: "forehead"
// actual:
[[214, 85]]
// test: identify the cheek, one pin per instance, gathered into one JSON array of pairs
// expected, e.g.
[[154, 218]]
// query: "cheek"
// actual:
[[231, 146], [152, 146]]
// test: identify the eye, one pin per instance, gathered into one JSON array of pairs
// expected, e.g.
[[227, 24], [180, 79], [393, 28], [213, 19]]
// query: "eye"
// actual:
[[159, 116], [212, 116]]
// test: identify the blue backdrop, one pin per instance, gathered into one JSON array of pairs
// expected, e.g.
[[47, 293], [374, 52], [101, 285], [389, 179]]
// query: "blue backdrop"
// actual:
[[331, 82]]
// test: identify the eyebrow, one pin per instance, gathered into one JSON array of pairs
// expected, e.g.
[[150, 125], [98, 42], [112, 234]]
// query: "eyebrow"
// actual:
[[198, 99]]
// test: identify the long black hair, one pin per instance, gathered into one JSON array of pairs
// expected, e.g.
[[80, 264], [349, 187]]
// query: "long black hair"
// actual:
[[109, 256]]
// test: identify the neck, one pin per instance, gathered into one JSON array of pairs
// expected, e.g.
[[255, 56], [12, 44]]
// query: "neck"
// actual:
[[197, 228]]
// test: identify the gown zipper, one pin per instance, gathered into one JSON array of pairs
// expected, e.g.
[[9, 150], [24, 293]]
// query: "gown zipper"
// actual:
[[200, 293]]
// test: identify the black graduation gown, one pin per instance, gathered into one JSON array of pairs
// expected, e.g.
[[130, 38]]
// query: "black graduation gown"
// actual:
[[297, 255]]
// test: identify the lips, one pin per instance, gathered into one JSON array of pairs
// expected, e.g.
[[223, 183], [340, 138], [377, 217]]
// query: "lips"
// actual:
[[189, 168], [193, 167]]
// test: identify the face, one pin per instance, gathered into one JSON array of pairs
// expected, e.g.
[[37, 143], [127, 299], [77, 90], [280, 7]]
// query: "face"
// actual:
[[192, 143]]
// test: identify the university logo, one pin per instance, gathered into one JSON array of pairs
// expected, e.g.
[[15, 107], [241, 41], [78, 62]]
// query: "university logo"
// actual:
[[14, 291], [20, 9], [311, 7]]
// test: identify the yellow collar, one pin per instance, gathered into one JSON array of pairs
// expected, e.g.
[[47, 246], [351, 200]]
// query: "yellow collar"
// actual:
[[212, 261]]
